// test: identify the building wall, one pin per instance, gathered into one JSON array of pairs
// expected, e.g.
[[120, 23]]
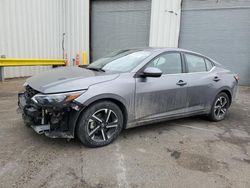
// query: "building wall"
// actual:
[[189, 5], [165, 23], [33, 29], [220, 30], [76, 27]]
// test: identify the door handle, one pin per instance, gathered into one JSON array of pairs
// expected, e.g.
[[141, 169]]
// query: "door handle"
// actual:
[[181, 83], [216, 79]]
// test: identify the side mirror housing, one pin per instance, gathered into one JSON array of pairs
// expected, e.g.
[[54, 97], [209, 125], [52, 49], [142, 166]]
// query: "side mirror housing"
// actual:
[[151, 72]]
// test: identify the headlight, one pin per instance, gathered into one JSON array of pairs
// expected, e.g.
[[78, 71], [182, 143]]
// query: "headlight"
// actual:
[[53, 99]]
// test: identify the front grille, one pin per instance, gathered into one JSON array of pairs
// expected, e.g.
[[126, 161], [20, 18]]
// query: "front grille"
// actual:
[[29, 92]]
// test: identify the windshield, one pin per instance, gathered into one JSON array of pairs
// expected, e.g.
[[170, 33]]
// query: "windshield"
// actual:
[[121, 61]]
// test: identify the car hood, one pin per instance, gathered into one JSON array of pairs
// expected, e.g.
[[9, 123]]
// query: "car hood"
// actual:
[[67, 79]]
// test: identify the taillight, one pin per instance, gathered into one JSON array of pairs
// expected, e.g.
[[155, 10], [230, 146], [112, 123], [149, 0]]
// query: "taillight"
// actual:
[[237, 78]]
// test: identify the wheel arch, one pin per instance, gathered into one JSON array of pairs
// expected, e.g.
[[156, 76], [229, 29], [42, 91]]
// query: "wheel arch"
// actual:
[[228, 92]]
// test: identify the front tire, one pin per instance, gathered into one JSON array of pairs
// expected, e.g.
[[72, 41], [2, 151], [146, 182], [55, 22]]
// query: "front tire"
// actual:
[[220, 107], [100, 124]]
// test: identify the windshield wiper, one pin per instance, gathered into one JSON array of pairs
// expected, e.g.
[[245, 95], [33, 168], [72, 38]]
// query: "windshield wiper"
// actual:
[[96, 69]]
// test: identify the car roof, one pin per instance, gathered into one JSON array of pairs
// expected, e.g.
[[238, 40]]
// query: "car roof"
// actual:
[[163, 49], [166, 49]]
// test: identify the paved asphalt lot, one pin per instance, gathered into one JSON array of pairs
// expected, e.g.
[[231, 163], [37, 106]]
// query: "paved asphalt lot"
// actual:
[[190, 152]]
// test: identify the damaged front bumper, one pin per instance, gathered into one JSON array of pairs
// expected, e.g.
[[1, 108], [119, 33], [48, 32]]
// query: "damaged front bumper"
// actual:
[[53, 121]]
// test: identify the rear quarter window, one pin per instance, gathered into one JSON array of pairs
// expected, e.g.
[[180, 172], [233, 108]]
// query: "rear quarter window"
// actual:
[[209, 64], [195, 63]]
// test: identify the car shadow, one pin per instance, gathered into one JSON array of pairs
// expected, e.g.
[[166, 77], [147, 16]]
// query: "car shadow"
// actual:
[[140, 131], [126, 134]]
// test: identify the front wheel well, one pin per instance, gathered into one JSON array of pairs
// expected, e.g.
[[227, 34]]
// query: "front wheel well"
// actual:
[[117, 102], [228, 94]]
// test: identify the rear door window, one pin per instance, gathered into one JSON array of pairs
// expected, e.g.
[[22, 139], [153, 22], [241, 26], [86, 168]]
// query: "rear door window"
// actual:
[[195, 63]]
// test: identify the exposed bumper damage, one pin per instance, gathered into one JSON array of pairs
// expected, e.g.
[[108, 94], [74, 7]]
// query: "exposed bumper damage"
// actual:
[[53, 121]]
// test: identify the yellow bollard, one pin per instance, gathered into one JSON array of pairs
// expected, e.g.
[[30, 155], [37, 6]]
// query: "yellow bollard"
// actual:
[[84, 57]]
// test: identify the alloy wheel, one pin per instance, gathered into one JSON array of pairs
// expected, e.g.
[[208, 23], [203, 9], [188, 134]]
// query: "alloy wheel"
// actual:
[[220, 107], [102, 125]]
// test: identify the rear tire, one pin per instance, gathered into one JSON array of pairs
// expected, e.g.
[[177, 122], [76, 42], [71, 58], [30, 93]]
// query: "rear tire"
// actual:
[[220, 107], [100, 124]]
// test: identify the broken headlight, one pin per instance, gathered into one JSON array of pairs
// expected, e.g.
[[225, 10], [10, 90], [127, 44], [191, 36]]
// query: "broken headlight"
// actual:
[[54, 99]]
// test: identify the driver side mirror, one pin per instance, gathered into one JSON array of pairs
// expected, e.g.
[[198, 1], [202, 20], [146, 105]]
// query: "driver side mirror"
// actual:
[[151, 72]]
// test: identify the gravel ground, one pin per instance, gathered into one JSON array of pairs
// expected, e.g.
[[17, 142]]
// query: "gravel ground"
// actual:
[[190, 152]]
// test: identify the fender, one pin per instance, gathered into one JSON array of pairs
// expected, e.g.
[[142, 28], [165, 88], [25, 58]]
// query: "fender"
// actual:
[[228, 89], [105, 96], [225, 88]]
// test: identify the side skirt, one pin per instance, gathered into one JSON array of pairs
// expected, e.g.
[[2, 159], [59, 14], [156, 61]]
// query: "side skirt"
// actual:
[[159, 119]]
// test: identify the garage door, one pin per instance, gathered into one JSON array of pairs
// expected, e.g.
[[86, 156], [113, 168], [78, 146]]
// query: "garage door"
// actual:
[[118, 24], [219, 30]]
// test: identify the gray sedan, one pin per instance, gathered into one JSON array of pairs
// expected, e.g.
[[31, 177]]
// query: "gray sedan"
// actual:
[[125, 89]]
